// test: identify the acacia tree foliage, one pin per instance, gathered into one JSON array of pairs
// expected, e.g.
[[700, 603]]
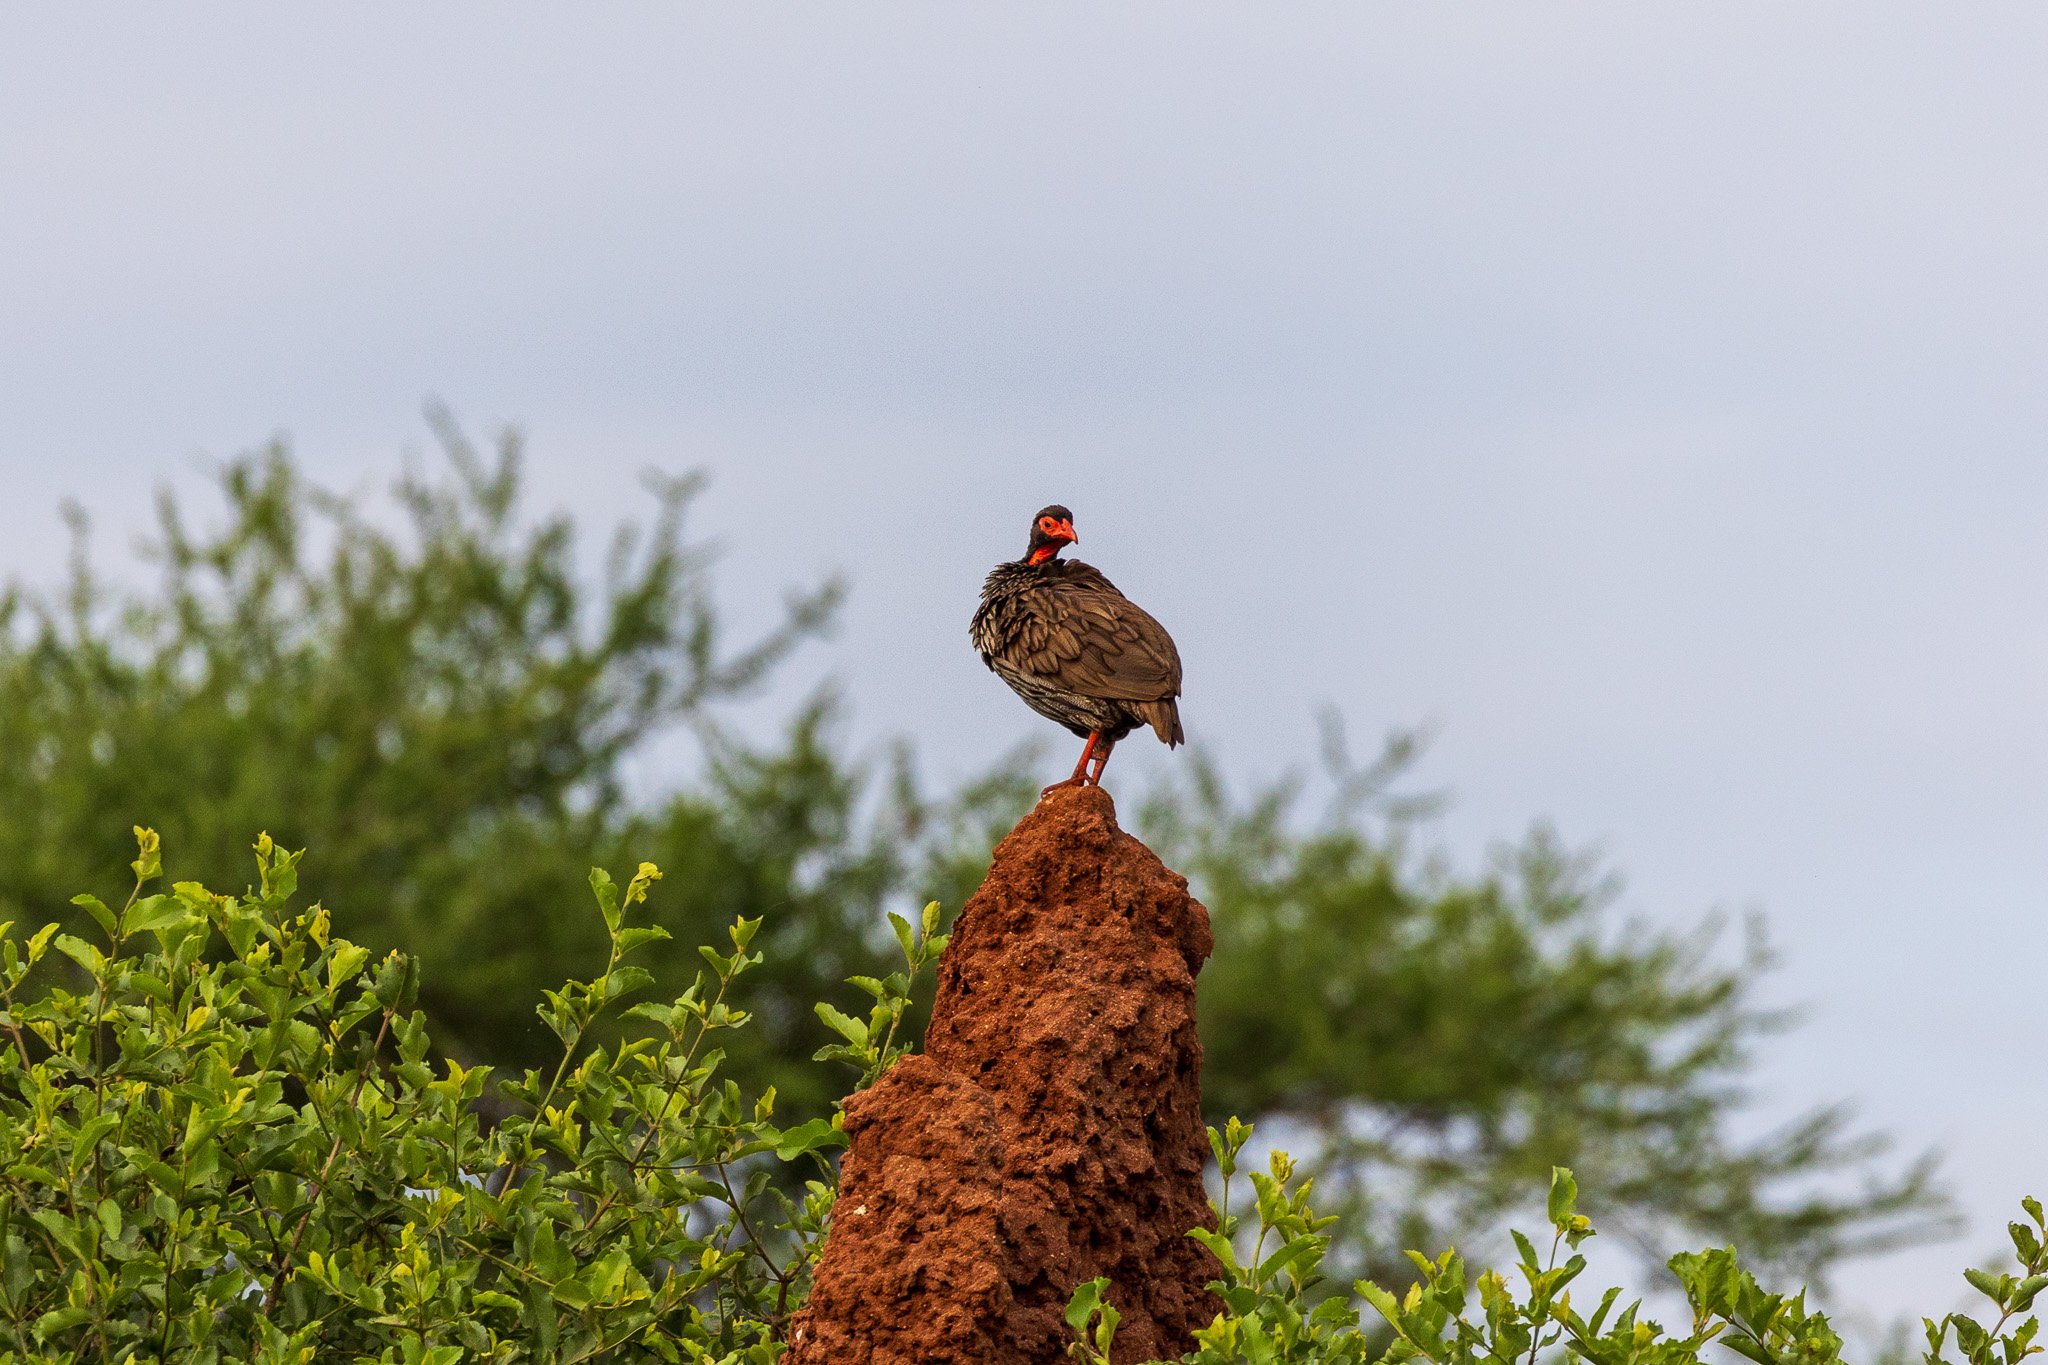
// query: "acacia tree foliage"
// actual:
[[445, 708]]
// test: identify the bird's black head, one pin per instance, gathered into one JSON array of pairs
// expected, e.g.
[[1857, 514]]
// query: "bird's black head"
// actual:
[[1052, 530]]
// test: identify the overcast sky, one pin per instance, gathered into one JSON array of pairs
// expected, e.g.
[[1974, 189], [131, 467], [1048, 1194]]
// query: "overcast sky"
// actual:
[[1648, 396]]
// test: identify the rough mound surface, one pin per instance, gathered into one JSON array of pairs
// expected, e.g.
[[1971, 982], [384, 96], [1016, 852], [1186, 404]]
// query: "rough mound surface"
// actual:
[[1050, 1133]]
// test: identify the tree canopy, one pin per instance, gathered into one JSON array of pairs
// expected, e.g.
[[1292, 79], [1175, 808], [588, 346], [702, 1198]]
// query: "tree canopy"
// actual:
[[445, 708]]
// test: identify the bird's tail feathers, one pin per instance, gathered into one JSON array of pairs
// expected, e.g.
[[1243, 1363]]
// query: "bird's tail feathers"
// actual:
[[1164, 718]]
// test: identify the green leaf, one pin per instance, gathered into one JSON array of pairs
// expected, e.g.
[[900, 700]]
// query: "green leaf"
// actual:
[[646, 875], [1992, 1287], [101, 915], [1305, 1247], [1105, 1330], [1709, 1278], [1082, 1303], [153, 914], [1220, 1247], [550, 1257], [1600, 1314], [541, 1318], [60, 1320], [1226, 1157], [39, 941], [625, 980], [853, 1030], [2024, 1243], [149, 862], [1743, 1344], [389, 985], [1564, 1196], [81, 952], [240, 927], [305, 1040], [348, 959], [639, 936], [653, 1011], [607, 892], [812, 1136], [1383, 1302]]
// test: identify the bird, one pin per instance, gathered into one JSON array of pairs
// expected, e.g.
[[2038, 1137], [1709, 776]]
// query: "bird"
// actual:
[[1075, 649]]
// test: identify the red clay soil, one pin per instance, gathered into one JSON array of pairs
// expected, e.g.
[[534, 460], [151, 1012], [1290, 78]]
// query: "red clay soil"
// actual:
[[1050, 1133]]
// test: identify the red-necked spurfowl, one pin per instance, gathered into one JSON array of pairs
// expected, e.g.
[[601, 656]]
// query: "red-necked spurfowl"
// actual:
[[1075, 649]]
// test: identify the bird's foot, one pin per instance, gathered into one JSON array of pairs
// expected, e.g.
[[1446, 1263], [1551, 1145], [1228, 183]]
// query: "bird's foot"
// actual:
[[1097, 747]]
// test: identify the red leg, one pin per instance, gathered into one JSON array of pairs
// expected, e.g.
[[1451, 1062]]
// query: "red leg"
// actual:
[[1080, 777], [1101, 760]]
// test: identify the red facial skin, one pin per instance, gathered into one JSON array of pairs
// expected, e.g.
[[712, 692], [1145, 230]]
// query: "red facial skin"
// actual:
[[1062, 531]]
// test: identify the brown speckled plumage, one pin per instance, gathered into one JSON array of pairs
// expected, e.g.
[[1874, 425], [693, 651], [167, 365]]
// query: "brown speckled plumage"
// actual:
[[1074, 648]]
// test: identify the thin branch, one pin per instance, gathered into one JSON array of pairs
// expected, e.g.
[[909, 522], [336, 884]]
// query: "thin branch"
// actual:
[[282, 1264]]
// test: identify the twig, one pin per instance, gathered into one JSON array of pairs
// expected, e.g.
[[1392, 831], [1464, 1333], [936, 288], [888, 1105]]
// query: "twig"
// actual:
[[281, 1264], [654, 1129], [1536, 1332]]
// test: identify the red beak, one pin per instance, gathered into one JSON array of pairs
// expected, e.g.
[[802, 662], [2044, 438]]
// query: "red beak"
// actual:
[[1067, 533]]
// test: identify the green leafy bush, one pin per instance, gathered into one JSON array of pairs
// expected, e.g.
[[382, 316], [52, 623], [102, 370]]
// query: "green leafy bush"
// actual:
[[1280, 1313], [226, 1138]]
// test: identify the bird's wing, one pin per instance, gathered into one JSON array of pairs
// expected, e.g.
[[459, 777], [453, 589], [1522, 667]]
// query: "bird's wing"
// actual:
[[1078, 631]]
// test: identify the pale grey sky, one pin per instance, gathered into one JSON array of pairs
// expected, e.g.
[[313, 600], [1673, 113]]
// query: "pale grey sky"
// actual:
[[1650, 396]]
